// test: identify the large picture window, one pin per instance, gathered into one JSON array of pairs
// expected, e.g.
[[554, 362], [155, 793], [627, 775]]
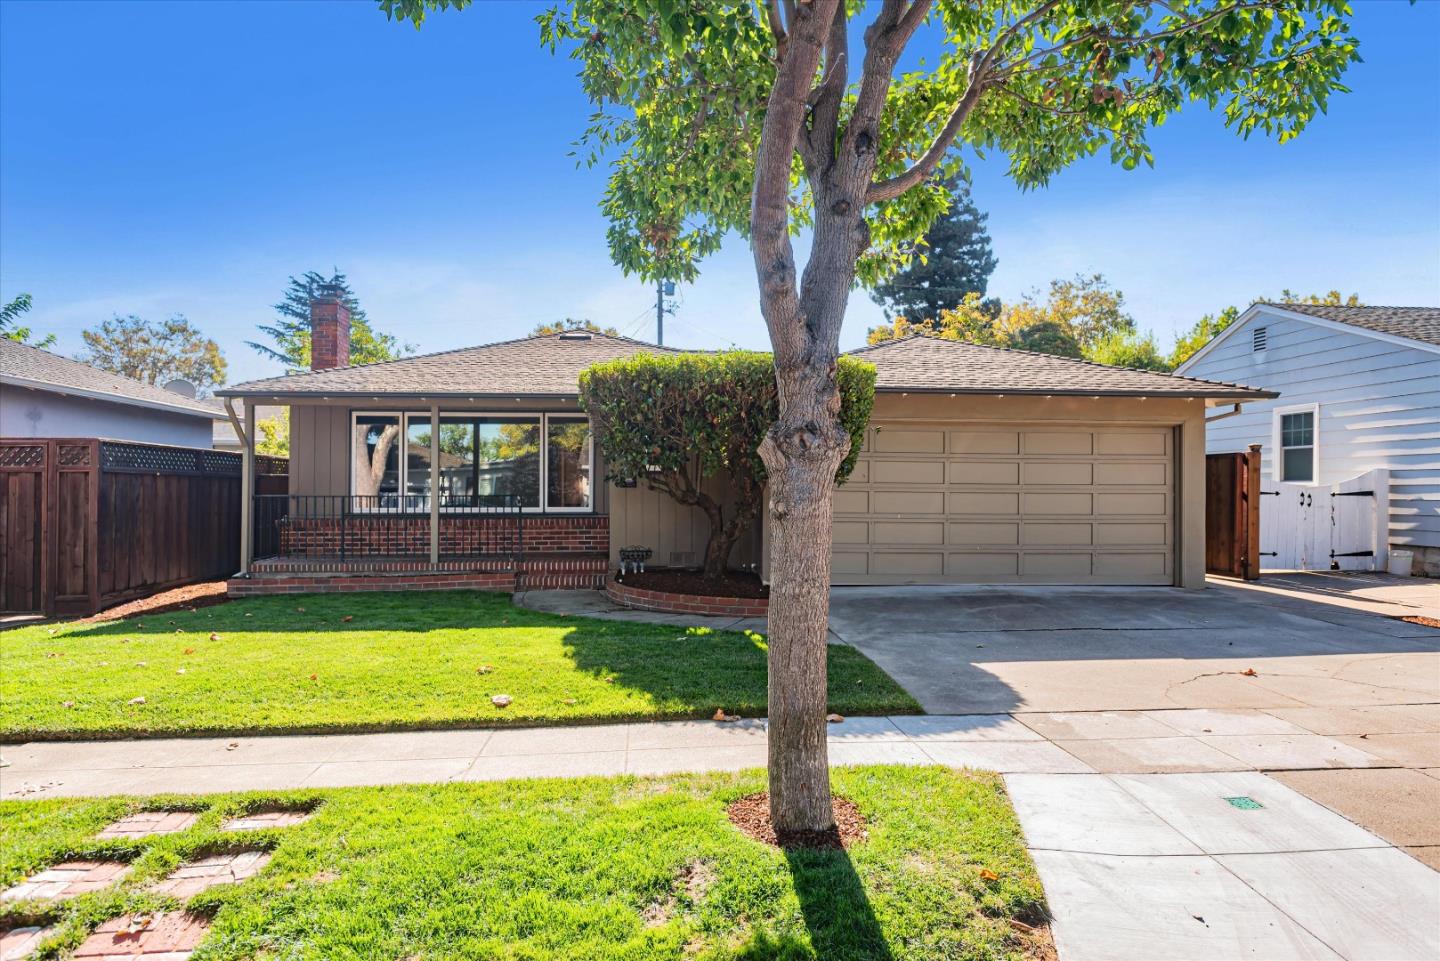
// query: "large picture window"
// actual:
[[533, 461]]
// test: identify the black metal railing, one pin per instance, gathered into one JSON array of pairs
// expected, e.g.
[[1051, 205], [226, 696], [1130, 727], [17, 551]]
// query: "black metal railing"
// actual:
[[353, 526]]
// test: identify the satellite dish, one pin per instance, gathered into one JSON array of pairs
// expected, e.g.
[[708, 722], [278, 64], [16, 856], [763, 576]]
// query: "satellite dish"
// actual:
[[182, 387]]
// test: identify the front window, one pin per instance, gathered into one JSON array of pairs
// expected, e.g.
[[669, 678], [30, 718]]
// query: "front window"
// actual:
[[485, 461], [1297, 446]]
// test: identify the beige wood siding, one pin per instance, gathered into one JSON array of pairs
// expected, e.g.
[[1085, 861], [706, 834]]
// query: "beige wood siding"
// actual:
[[676, 532]]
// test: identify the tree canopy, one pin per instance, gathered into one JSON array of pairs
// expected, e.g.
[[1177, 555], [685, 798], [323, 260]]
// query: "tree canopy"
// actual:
[[1210, 326], [952, 264], [155, 352], [673, 421], [572, 323], [10, 327], [290, 331]]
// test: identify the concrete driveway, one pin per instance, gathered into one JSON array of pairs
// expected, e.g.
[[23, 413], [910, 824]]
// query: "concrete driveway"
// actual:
[[1311, 641]]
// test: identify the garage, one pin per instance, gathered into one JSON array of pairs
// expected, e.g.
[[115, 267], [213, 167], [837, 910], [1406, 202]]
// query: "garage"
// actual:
[[1008, 504], [983, 465]]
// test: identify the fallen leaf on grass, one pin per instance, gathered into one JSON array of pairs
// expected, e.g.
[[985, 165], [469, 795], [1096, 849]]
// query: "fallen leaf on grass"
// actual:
[[54, 654], [501, 700], [484, 669], [180, 670], [1021, 926], [214, 636], [67, 703], [347, 618], [136, 700], [610, 679], [314, 677], [1249, 672], [299, 610], [570, 700], [724, 718], [189, 650], [989, 875]]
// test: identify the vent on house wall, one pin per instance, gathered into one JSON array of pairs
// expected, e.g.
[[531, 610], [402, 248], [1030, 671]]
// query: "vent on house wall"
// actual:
[[1258, 338]]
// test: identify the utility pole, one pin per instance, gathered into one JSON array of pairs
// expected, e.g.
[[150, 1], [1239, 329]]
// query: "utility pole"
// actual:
[[663, 289]]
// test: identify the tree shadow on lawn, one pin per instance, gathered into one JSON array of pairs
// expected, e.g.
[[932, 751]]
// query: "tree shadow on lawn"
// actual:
[[838, 914]]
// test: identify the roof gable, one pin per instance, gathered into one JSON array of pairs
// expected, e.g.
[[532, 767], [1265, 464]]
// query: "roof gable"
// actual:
[[922, 363], [1417, 327], [22, 365]]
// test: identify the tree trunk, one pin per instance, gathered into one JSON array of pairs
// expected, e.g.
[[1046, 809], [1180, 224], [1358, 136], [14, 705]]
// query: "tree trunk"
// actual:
[[721, 544]]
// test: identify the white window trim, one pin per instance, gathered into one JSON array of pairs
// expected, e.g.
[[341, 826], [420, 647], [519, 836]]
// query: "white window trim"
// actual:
[[543, 417], [1278, 461]]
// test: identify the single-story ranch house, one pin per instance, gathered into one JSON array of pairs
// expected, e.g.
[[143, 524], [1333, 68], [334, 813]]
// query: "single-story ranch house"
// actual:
[[475, 467]]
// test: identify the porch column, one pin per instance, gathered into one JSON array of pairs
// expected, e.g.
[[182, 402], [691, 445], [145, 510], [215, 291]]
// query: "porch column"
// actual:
[[434, 485], [247, 488]]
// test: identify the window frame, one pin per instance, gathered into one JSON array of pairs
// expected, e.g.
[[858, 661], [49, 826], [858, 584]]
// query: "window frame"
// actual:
[[1277, 417], [543, 417]]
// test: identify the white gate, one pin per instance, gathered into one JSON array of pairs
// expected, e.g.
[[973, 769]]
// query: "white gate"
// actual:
[[1340, 527]]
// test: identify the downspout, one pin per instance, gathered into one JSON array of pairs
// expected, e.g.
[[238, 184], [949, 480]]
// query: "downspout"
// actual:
[[1229, 413]]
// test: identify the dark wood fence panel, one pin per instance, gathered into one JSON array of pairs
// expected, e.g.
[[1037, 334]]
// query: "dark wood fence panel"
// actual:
[[1232, 514], [86, 524]]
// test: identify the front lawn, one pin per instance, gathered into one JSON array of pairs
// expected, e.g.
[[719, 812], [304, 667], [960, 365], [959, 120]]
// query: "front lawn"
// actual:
[[569, 869], [364, 662]]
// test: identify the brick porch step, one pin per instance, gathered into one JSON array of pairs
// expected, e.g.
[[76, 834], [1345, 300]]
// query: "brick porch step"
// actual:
[[332, 575]]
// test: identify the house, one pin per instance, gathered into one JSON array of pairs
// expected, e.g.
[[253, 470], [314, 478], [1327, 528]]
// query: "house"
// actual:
[[1359, 411], [981, 465], [224, 436], [46, 395]]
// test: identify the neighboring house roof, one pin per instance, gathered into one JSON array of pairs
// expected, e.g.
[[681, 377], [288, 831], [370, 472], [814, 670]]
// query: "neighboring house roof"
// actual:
[[1417, 327], [1413, 323], [924, 364], [544, 366], [24, 366], [550, 366]]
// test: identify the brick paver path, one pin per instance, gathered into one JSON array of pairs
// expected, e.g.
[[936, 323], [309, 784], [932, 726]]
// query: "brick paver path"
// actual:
[[195, 876], [264, 819], [149, 822], [171, 936], [67, 880], [18, 943]]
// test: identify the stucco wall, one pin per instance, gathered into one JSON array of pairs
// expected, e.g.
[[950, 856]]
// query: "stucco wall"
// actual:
[[36, 413]]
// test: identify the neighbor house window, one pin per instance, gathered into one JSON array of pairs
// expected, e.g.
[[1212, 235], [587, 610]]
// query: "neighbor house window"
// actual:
[[1297, 446], [531, 461]]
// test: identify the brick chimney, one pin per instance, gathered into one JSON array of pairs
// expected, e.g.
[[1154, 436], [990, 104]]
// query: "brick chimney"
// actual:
[[329, 328]]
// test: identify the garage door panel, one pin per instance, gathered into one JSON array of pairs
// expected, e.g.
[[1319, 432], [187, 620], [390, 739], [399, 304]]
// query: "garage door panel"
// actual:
[[1044, 504], [886, 562], [995, 473], [892, 441], [903, 533], [1057, 565], [1058, 442], [1131, 535], [1156, 442], [982, 567], [1057, 535], [1132, 473], [907, 502], [984, 442], [1047, 503], [984, 534], [861, 473], [1058, 472], [908, 472], [982, 502], [1132, 502]]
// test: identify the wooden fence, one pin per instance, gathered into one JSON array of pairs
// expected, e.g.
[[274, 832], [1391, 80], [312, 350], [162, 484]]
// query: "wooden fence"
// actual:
[[1232, 514], [86, 524]]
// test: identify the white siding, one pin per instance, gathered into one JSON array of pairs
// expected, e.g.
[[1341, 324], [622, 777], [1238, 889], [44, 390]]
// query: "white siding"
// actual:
[[1379, 406], [40, 413]]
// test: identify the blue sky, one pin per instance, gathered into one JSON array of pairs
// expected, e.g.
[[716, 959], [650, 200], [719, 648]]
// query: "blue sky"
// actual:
[[160, 158]]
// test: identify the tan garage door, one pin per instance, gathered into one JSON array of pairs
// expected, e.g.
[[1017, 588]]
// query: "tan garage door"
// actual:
[[962, 503]]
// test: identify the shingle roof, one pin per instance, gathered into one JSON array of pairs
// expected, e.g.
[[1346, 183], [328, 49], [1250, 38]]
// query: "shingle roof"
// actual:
[[928, 364], [549, 365], [1414, 323], [25, 366]]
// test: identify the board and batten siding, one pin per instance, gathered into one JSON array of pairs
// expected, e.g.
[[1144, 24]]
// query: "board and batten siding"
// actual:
[[1378, 407]]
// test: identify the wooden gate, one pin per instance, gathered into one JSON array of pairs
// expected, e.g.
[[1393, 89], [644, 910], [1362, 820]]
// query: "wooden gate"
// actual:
[[1327, 527], [1232, 514]]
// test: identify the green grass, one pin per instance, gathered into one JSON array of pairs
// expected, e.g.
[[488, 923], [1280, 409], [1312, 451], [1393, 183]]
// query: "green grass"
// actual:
[[616, 868], [403, 660]]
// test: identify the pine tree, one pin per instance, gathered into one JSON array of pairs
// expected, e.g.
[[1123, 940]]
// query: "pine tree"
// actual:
[[291, 329], [955, 260]]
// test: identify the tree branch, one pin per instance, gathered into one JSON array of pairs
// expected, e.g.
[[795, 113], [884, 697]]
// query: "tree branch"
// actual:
[[777, 27], [818, 142], [883, 190]]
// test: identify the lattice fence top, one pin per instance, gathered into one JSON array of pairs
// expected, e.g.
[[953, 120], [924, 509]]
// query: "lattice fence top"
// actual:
[[270, 464], [117, 457], [22, 455], [74, 455]]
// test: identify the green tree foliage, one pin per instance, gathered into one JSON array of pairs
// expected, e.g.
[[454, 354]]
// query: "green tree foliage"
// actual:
[[1208, 327], [155, 352], [290, 331], [10, 328], [672, 422], [973, 320], [949, 267], [272, 434], [1045, 337], [572, 323], [1133, 350]]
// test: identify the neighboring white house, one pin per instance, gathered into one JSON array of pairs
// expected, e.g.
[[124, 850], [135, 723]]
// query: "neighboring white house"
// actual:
[[1359, 393], [46, 395]]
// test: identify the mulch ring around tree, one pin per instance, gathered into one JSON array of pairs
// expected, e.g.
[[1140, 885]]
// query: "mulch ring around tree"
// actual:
[[733, 584], [751, 814]]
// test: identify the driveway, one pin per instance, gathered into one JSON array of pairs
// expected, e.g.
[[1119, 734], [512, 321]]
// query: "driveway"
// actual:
[[1311, 641]]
